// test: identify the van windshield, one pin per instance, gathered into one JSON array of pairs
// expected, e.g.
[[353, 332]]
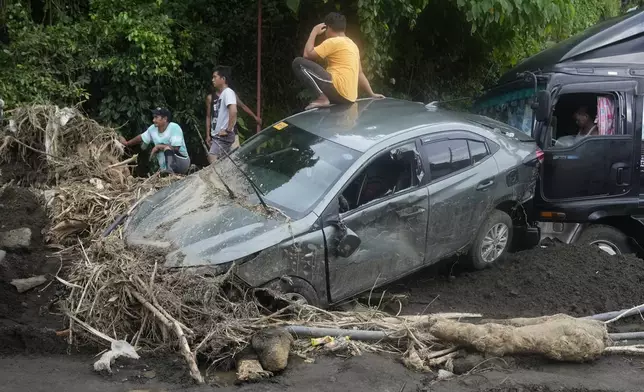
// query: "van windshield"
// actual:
[[511, 107]]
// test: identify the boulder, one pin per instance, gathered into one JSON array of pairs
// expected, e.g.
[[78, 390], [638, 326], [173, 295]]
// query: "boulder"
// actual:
[[27, 284], [272, 347], [16, 239]]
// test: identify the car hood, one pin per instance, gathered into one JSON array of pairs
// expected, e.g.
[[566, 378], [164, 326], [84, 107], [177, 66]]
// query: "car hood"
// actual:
[[194, 222]]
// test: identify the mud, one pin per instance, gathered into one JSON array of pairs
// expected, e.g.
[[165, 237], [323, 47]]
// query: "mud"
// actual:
[[568, 279], [328, 374], [575, 280], [21, 174], [27, 320]]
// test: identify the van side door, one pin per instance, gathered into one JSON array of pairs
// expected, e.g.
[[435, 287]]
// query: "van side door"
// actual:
[[591, 155]]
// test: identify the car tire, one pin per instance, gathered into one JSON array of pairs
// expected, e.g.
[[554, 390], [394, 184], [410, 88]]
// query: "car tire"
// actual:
[[296, 290], [494, 235], [606, 238]]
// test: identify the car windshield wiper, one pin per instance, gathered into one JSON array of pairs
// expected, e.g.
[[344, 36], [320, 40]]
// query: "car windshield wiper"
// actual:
[[258, 191]]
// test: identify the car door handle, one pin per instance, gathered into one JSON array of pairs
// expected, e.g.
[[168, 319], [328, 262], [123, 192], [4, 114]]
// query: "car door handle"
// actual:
[[410, 211], [485, 184]]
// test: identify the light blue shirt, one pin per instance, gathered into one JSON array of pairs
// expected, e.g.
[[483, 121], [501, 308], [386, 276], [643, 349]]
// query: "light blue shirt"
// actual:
[[172, 136]]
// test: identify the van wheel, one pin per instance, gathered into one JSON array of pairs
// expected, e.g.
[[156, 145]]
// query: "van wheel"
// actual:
[[607, 239], [492, 240]]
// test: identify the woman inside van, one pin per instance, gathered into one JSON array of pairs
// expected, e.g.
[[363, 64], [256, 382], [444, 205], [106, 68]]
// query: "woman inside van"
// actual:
[[585, 121]]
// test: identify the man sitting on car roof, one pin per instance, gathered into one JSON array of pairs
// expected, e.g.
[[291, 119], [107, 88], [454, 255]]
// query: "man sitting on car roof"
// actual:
[[339, 82]]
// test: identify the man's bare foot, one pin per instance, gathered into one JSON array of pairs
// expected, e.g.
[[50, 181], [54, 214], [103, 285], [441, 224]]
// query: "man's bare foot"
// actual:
[[320, 102]]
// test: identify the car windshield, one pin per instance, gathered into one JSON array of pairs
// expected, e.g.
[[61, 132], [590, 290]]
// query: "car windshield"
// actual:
[[293, 168], [513, 108]]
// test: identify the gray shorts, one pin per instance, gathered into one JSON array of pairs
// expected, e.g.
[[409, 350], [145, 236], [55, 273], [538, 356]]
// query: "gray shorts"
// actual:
[[177, 163], [221, 147]]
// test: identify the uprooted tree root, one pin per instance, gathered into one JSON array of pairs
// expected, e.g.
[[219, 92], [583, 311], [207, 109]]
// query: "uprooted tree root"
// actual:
[[87, 208], [130, 295], [63, 143]]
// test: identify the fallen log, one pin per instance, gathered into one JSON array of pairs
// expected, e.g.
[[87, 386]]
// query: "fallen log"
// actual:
[[173, 324], [558, 337]]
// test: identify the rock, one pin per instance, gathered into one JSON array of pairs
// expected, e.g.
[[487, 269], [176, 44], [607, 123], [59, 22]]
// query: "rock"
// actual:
[[249, 369], [16, 239], [3, 254], [49, 195], [150, 374], [444, 375], [467, 363], [272, 347], [27, 284]]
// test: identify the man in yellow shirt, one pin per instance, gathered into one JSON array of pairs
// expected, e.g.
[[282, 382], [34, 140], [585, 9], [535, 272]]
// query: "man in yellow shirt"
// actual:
[[340, 81]]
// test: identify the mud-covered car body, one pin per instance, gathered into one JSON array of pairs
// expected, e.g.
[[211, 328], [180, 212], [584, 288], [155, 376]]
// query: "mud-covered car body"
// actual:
[[358, 196]]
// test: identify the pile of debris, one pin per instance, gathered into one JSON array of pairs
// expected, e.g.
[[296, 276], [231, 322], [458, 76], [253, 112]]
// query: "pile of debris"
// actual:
[[128, 300]]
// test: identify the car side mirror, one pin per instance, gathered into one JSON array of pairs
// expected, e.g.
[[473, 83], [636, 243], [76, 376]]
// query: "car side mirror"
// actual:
[[348, 244], [543, 106]]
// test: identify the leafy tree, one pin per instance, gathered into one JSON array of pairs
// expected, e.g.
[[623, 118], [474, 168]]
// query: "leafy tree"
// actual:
[[121, 58]]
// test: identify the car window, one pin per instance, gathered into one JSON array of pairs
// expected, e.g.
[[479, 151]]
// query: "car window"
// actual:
[[478, 150], [292, 167], [391, 172], [446, 157]]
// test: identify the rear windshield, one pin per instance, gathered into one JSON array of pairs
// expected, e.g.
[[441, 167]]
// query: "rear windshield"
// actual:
[[513, 108], [499, 127]]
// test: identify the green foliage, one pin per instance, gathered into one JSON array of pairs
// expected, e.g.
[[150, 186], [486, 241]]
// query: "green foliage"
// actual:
[[523, 43], [379, 20], [121, 58], [485, 14], [43, 63]]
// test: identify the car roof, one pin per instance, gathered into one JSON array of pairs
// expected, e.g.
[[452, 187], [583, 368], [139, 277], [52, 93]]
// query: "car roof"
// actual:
[[367, 122]]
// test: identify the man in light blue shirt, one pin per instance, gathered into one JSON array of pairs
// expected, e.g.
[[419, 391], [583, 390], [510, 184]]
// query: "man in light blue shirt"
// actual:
[[169, 145]]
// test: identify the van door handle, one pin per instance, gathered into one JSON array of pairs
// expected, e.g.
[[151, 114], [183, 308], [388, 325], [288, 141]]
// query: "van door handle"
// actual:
[[485, 184], [620, 174]]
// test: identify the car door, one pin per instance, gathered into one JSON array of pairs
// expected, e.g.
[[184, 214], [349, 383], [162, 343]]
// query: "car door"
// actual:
[[600, 171], [463, 177], [392, 229]]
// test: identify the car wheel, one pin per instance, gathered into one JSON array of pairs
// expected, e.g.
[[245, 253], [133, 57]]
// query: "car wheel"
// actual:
[[606, 238], [296, 290], [302, 292], [492, 240]]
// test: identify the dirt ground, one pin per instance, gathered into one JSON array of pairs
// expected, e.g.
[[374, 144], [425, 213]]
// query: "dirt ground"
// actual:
[[24, 317], [573, 280], [576, 280]]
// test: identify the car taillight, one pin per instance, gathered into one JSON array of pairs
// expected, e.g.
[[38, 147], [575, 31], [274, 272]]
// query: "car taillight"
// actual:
[[540, 155], [534, 158]]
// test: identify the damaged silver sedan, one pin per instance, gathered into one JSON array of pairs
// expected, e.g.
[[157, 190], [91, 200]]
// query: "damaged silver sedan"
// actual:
[[332, 202]]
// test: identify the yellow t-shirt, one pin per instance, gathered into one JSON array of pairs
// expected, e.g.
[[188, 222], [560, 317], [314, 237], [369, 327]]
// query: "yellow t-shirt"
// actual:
[[343, 58]]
